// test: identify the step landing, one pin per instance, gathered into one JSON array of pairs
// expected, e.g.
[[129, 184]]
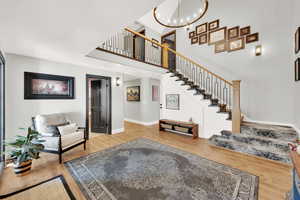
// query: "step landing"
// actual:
[[267, 141]]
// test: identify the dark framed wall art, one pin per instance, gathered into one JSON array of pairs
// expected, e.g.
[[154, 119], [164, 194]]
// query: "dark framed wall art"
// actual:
[[297, 69], [297, 41], [133, 93], [47, 86]]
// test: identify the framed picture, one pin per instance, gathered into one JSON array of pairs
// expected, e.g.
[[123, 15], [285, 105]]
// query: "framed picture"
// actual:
[[203, 39], [155, 93], [133, 93], [214, 25], [192, 34], [252, 38], [46, 86], [297, 41], [245, 31], [172, 101], [218, 35], [154, 45], [220, 47], [236, 44], [194, 40], [233, 32], [297, 69], [201, 29]]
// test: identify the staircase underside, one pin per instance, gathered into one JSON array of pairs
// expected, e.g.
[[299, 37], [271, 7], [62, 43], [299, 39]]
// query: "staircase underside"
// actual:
[[200, 91], [266, 141]]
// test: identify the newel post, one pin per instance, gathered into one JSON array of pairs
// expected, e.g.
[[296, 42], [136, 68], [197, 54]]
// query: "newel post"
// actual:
[[165, 55], [236, 107]]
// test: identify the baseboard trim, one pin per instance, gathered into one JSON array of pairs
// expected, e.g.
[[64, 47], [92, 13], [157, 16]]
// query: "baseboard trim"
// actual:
[[141, 123], [116, 131]]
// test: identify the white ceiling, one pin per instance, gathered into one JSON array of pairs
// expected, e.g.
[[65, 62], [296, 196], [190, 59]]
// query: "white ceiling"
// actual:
[[64, 30], [148, 20]]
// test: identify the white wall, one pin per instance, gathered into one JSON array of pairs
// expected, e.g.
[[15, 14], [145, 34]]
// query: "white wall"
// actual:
[[132, 108], [20, 111], [210, 122], [146, 111], [296, 93], [266, 88]]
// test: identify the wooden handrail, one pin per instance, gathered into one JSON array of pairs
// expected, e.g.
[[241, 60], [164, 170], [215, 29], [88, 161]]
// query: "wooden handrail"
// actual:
[[178, 54]]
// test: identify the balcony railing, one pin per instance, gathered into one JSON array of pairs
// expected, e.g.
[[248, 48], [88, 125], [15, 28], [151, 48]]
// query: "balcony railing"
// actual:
[[221, 92], [130, 45]]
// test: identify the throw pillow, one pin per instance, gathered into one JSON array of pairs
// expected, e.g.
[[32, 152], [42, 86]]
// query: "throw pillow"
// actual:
[[67, 129]]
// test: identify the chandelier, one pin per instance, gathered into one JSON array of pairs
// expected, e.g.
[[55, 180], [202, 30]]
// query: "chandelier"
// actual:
[[185, 13]]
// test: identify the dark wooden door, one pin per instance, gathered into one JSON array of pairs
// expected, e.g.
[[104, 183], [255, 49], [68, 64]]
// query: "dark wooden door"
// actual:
[[170, 40], [99, 106]]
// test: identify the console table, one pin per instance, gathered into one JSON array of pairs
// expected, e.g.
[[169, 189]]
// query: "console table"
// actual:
[[178, 126], [295, 194]]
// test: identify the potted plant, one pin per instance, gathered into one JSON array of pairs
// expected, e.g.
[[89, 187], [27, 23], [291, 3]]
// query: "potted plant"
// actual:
[[23, 149]]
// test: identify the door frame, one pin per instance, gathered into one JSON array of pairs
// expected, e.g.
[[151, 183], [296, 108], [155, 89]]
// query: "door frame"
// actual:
[[161, 41], [167, 34], [87, 119]]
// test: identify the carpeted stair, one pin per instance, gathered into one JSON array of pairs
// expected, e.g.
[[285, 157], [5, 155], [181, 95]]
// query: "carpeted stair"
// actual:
[[267, 141]]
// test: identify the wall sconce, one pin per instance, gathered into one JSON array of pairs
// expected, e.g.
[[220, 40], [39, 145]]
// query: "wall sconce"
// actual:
[[118, 81], [258, 50]]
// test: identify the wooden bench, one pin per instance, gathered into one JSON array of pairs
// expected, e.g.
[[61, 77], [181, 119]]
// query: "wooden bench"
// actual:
[[178, 126]]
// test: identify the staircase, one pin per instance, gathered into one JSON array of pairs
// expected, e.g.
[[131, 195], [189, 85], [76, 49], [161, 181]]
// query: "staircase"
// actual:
[[213, 91], [221, 93]]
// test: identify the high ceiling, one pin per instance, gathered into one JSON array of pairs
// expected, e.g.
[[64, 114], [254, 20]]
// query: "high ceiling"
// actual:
[[64, 30]]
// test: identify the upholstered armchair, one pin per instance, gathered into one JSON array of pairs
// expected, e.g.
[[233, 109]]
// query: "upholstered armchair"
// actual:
[[59, 133]]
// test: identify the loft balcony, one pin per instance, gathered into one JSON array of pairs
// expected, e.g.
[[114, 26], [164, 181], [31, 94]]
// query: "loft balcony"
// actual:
[[130, 49]]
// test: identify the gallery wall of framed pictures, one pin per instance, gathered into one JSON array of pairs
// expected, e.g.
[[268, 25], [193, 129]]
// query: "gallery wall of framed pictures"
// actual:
[[224, 39]]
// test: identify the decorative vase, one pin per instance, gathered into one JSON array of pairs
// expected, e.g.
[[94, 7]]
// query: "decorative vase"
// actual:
[[23, 168]]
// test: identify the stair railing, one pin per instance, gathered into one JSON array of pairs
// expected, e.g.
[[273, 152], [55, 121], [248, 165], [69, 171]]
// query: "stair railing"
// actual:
[[225, 94]]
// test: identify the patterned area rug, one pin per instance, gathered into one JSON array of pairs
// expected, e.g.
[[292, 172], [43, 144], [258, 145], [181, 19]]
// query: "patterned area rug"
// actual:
[[144, 169]]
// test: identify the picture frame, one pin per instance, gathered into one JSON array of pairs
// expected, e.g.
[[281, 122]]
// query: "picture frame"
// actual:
[[297, 41], [194, 40], [133, 93], [252, 38], [200, 29], [192, 34], [236, 44], [154, 45], [48, 86], [155, 93], [203, 39], [245, 31], [214, 25], [173, 101], [218, 35], [233, 33], [297, 69], [221, 47]]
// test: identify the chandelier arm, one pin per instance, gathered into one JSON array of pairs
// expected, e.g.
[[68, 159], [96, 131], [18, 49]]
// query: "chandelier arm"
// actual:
[[180, 26]]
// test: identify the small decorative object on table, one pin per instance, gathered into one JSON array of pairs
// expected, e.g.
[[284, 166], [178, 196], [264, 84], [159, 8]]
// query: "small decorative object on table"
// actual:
[[24, 149]]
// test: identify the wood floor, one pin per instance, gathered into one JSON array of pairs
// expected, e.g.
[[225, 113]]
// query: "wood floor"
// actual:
[[274, 182]]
